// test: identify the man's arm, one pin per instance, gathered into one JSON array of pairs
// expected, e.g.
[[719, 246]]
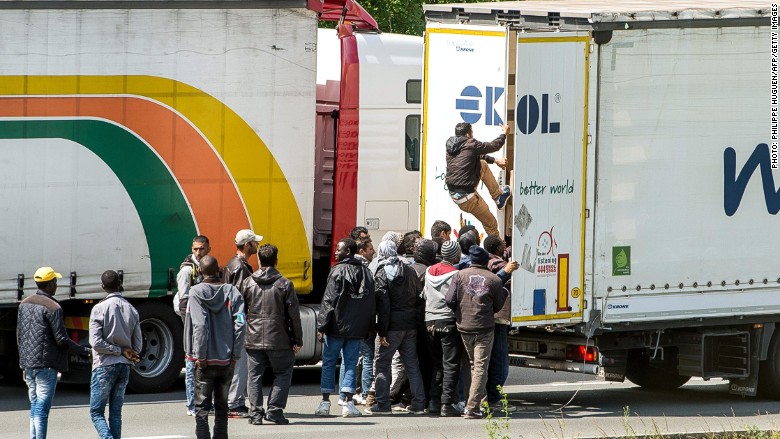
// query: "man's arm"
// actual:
[[294, 314], [199, 337], [451, 298], [57, 326], [137, 339], [100, 344], [327, 307], [183, 289], [382, 292], [483, 148], [239, 322], [499, 298]]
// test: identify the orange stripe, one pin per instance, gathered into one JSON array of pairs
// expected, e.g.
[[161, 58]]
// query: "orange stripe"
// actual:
[[212, 196]]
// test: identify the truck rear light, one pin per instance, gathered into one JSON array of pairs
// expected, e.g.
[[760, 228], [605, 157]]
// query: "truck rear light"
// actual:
[[74, 335], [587, 354]]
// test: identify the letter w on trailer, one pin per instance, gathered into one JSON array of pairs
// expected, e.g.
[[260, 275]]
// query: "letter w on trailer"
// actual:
[[643, 229]]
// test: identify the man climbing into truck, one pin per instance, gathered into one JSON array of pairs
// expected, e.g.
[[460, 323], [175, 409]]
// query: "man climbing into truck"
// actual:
[[467, 165]]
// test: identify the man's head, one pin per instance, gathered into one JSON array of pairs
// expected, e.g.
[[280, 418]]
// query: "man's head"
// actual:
[[425, 252], [441, 229], [345, 248], [246, 242], [463, 129], [479, 256], [359, 232], [209, 266], [46, 279], [267, 254], [409, 240], [469, 228], [466, 241], [365, 248], [200, 247], [494, 245], [110, 281], [450, 252]]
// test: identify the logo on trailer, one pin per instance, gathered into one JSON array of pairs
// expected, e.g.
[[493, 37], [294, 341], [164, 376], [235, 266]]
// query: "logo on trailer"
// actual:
[[546, 259], [734, 185], [531, 116], [469, 104]]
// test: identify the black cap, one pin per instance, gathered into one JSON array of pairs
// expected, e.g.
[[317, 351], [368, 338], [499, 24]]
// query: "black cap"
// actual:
[[479, 255]]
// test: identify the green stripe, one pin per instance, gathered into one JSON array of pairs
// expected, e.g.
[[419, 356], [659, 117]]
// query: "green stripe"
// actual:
[[165, 216]]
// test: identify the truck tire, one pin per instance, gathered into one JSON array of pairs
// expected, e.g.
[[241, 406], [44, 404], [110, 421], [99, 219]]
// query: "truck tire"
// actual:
[[162, 355], [657, 375], [769, 370]]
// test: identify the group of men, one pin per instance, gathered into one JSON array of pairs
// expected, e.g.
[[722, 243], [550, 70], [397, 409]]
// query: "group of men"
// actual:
[[378, 305]]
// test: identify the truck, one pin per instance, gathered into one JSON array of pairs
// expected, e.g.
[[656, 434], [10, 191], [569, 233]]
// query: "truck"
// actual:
[[128, 128], [644, 165]]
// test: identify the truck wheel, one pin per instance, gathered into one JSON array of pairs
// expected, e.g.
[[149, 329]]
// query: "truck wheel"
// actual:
[[162, 354], [769, 370], [656, 375]]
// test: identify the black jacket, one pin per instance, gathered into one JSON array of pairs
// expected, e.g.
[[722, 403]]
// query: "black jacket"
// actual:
[[41, 335], [463, 156], [236, 270], [348, 307], [272, 316], [397, 300]]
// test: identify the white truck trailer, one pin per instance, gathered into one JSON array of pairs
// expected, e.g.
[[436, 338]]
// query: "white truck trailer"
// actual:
[[127, 128], [644, 150]]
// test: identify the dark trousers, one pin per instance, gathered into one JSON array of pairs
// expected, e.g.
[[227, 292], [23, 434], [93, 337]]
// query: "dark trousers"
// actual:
[[212, 380], [405, 342], [281, 362], [498, 370], [444, 346]]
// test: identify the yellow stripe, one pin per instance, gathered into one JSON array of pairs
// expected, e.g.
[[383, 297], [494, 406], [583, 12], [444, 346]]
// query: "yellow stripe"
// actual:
[[424, 133], [546, 317], [563, 282], [440, 30], [584, 174], [81, 323], [553, 39], [270, 203]]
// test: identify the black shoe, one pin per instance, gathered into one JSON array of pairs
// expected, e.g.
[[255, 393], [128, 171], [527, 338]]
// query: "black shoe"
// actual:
[[433, 408], [447, 410], [277, 419], [238, 412], [257, 420]]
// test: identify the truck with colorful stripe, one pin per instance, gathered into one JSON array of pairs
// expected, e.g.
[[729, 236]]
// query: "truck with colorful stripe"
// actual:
[[128, 128], [644, 175]]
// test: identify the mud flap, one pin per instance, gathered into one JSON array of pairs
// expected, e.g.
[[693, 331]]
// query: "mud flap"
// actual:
[[614, 365], [749, 385]]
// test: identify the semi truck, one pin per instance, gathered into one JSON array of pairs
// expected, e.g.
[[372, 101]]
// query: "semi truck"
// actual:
[[128, 128], [644, 156]]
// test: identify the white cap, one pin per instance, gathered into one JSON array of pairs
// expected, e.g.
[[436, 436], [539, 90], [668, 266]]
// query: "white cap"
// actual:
[[246, 235]]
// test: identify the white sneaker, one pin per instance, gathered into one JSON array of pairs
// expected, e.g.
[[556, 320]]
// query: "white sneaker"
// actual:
[[358, 399], [341, 402], [398, 408], [323, 409], [349, 410]]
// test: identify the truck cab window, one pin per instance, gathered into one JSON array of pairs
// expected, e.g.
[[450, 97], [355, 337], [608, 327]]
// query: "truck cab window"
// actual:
[[414, 91], [412, 156]]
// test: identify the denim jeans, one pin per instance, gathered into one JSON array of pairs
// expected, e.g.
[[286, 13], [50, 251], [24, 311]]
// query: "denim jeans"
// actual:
[[281, 363], [478, 348], [405, 342], [367, 375], [349, 348], [108, 387], [212, 380], [41, 384], [498, 370], [238, 386], [189, 383]]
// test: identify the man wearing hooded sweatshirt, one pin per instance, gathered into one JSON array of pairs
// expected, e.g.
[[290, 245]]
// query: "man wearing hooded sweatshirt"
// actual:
[[214, 329], [467, 164], [273, 335], [347, 314], [443, 339], [475, 295], [397, 290]]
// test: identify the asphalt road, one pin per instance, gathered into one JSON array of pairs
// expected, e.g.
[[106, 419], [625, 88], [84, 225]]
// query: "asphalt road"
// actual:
[[549, 405]]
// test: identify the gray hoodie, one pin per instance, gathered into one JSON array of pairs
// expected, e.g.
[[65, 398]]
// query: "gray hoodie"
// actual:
[[214, 326], [436, 287]]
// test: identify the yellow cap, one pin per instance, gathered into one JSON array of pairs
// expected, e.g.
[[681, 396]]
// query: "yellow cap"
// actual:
[[45, 274]]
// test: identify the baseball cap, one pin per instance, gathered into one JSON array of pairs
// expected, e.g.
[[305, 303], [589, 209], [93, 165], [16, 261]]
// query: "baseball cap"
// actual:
[[45, 274], [246, 235]]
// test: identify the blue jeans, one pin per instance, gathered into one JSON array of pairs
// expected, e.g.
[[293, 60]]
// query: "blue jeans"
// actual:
[[189, 383], [498, 370], [349, 348], [108, 387], [367, 375], [41, 384]]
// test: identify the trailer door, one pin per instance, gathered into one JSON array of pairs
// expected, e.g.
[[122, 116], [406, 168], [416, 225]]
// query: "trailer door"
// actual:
[[549, 180]]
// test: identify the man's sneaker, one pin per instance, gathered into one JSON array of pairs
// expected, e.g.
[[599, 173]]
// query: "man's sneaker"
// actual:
[[506, 192], [238, 412], [433, 408], [376, 410], [341, 402], [190, 412], [472, 414], [349, 410], [255, 420], [447, 410], [323, 409], [461, 407], [277, 419], [414, 411], [358, 399], [400, 407], [370, 399]]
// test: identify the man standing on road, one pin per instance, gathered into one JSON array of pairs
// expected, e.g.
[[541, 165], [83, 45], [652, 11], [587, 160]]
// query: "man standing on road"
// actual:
[[467, 164], [236, 270], [115, 336], [476, 295], [43, 347], [346, 316], [214, 339], [189, 275], [273, 337]]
